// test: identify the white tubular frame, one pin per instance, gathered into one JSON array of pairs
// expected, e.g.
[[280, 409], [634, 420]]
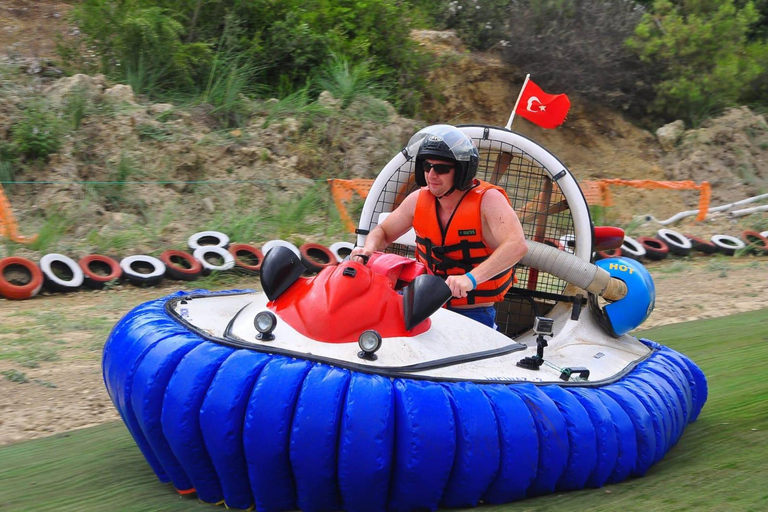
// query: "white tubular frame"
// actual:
[[582, 222]]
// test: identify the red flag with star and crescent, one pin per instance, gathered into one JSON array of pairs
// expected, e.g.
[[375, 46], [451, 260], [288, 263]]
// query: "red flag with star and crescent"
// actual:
[[545, 110]]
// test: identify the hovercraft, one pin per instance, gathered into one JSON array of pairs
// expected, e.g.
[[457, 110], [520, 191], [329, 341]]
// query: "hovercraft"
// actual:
[[355, 390]]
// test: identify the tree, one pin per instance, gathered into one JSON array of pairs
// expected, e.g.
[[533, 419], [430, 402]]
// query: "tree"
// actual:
[[699, 56]]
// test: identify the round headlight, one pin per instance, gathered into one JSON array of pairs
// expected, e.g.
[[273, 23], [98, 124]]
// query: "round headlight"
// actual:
[[265, 322], [370, 342]]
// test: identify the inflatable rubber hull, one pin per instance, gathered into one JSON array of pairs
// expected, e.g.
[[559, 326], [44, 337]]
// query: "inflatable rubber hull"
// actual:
[[249, 428]]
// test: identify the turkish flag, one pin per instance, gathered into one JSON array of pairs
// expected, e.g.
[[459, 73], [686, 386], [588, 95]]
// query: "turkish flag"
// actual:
[[545, 110]]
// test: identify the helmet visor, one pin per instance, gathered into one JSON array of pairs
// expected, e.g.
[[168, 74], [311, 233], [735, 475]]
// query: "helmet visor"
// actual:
[[457, 143]]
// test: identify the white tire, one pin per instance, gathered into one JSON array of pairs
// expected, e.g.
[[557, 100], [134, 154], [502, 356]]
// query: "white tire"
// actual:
[[279, 243], [201, 253], [341, 250], [142, 270], [208, 239], [568, 243], [65, 265], [678, 243], [727, 244], [631, 248]]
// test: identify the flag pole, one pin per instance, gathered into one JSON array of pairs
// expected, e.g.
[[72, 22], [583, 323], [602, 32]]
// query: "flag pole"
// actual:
[[512, 117]]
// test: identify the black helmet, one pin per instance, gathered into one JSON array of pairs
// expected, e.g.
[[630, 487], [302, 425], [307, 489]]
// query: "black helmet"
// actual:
[[445, 142]]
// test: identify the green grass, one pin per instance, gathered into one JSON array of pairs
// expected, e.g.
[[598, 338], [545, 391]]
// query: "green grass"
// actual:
[[719, 464]]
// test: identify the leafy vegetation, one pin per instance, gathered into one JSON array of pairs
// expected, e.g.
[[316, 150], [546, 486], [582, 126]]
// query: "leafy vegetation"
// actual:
[[218, 50], [700, 56], [38, 132]]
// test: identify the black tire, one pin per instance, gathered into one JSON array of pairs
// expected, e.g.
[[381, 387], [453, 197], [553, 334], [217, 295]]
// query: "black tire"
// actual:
[[204, 254], [61, 273], [208, 239], [701, 245], [631, 248], [248, 259], [677, 243], [99, 270], [756, 243], [280, 243], [316, 257], [181, 265], [727, 244], [20, 278], [142, 270], [655, 249], [608, 253], [341, 250]]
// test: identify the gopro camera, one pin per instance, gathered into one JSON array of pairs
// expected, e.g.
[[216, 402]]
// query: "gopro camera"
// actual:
[[543, 325]]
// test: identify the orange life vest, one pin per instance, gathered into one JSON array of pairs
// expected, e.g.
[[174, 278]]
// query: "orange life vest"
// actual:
[[459, 247]]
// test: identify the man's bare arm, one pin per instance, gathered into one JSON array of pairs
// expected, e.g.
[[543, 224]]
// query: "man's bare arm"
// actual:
[[395, 225]]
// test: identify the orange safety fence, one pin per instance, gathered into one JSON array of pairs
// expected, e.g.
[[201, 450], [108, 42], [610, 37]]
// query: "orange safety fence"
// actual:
[[342, 190], [595, 192], [8, 226], [705, 191]]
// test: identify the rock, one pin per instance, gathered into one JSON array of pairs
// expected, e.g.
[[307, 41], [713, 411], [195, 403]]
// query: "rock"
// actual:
[[669, 134], [208, 205], [327, 99], [91, 86], [159, 108], [120, 93]]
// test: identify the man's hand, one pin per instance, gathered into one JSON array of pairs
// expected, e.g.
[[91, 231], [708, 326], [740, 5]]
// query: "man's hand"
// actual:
[[360, 255], [459, 285]]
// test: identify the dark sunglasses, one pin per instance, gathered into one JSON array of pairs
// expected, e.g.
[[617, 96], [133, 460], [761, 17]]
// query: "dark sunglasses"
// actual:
[[439, 168]]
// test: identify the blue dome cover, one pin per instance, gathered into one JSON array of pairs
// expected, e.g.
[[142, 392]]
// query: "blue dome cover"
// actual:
[[628, 313]]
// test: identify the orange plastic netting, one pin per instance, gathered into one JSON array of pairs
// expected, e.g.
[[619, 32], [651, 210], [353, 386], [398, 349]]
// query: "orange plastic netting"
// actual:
[[342, 191], [8, 226], [705, 191], [595, 192]]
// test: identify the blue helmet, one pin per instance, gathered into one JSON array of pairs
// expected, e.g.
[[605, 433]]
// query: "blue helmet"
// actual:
[[621, 316]]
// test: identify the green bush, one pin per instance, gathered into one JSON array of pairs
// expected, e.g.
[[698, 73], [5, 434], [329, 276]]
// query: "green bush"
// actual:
[[699, 55], [37, 134], [577, 46], [167, 46]]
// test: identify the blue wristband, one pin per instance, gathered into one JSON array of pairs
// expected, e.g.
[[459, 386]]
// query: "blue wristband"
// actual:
[[471, 278]]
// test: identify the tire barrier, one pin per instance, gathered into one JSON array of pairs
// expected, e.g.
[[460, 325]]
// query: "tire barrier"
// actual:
[[608, 253], [316, 257], [701, 245], [205, 254], [655, 249], [755, 242], [727, 244], [568, 242], [631, 248], [20, 278], [181, 265], [279, 243], [99, 270], [142, 270], [677, 243], [341, 250], [254, 429], [207, 239], [61, 273], [247, 258]]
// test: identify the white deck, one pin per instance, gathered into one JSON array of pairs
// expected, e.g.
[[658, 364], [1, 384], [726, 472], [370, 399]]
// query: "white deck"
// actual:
[[579, 343]]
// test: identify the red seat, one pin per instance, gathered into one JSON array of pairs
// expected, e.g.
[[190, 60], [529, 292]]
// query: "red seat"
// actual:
[[399, 269]]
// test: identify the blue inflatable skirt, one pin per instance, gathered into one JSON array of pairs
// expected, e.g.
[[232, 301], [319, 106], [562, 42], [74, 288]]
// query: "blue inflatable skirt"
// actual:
[[248, 428]]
